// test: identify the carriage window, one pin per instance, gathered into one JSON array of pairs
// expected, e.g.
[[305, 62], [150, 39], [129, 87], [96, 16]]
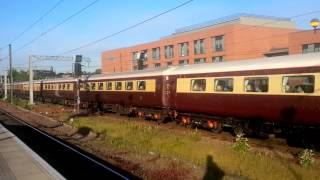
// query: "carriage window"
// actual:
[[63, 86], [256, 84], [198, 85], [225, 84], [45, 87], [100, 86], [59, 86], [52, 87], [93, 86], [68, 86], [109, 85], [118, 85], [141, 85], [129, 85], [81, 85], [87, 86], [298, 84]]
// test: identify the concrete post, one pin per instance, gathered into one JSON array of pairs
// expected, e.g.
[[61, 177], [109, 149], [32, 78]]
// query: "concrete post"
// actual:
[[30, 82], [5, 85]]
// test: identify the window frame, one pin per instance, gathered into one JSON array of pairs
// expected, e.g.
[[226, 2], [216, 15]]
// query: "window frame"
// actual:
[[198, 79], [204, 60], [283, 87], [100, 86], [93, 86], [220, 79], [156, 53], [116, 85], [107, 85], [138, 85], [126, 85], [218, 44], [169, 51], [255, 78], [181, 50], [199, 46]]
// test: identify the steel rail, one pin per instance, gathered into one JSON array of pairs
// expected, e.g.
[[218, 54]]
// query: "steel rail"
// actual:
[[65, 145]]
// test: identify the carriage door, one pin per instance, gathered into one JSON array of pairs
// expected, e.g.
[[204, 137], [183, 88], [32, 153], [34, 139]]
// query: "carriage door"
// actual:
[[169, 91]]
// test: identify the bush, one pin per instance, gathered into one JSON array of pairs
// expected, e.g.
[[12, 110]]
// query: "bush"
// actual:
[[241, 144], [306, 158]]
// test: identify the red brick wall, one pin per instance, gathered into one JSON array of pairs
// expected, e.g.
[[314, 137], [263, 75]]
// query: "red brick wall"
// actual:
[[241, 42], [297, 39]]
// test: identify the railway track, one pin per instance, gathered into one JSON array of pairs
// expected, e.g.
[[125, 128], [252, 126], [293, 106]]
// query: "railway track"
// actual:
[[68, 160]]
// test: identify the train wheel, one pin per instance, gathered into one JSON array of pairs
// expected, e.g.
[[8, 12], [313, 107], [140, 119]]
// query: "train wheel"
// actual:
[[238, 129], [217, 127]]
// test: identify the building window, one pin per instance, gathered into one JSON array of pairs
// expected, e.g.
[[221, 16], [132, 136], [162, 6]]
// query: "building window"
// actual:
[[156, 53], [198, 85], [217, 59], [135, 56], [184, 49], [144, 54], [218, 43], [157, 65], [310, 48], [256, 84], [168, 51], [298, 84], [199, 60], [183, 62], [199, 46], [169, 63]]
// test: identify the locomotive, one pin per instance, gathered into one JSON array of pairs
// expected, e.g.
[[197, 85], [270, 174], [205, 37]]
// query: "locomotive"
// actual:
[[251, 96]]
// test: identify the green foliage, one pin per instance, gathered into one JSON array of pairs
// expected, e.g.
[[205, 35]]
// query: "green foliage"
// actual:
[[19, 76], [241, 145], [192, 146], [194, 135], [306, 158]]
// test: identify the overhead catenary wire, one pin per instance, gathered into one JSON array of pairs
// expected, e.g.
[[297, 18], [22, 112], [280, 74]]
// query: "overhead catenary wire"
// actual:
[[34, 23], [135, 25], [57, 25], [37, 21], [127, 28]]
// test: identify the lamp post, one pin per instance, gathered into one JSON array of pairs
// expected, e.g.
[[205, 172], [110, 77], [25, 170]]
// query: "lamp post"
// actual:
[[314, 23]]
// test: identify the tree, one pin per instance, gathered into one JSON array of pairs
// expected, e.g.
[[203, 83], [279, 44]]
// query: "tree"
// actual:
[[97, 71]]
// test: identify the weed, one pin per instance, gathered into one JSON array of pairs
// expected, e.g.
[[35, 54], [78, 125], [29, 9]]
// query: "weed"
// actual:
[[194, 135], [306, 158], [189, 146], [241, 145]]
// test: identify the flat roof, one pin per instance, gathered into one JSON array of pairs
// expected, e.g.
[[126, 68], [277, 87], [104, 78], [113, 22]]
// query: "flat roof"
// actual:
[[226, 19]]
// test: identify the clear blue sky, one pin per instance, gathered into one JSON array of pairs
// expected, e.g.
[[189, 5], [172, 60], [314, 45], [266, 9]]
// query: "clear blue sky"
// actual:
[[106, 17]]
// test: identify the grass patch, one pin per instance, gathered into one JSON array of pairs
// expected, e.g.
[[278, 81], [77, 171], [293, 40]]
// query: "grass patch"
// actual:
[[188, 145]]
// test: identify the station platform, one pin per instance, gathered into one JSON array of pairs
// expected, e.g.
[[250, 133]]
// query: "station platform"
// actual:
[[18, 161]]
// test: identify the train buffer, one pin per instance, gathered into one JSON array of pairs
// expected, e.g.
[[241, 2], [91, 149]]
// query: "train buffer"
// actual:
[[18, 161]]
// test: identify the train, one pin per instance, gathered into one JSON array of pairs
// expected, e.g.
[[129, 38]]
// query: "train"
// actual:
[[251, 96]]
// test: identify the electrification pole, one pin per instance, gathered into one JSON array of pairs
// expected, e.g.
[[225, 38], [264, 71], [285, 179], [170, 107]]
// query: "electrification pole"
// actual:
[[34, 58], [11, 78], [30, 82], [5, 85]]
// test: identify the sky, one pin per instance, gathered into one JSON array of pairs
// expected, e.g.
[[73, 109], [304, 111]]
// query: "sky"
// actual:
[[106, 17]]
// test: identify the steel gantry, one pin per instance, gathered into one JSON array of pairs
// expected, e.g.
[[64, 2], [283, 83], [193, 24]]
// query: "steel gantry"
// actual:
[[35, 58]]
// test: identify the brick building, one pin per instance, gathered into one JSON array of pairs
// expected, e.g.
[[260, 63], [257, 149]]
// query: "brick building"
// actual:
[[236, 37], [304, 42]]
